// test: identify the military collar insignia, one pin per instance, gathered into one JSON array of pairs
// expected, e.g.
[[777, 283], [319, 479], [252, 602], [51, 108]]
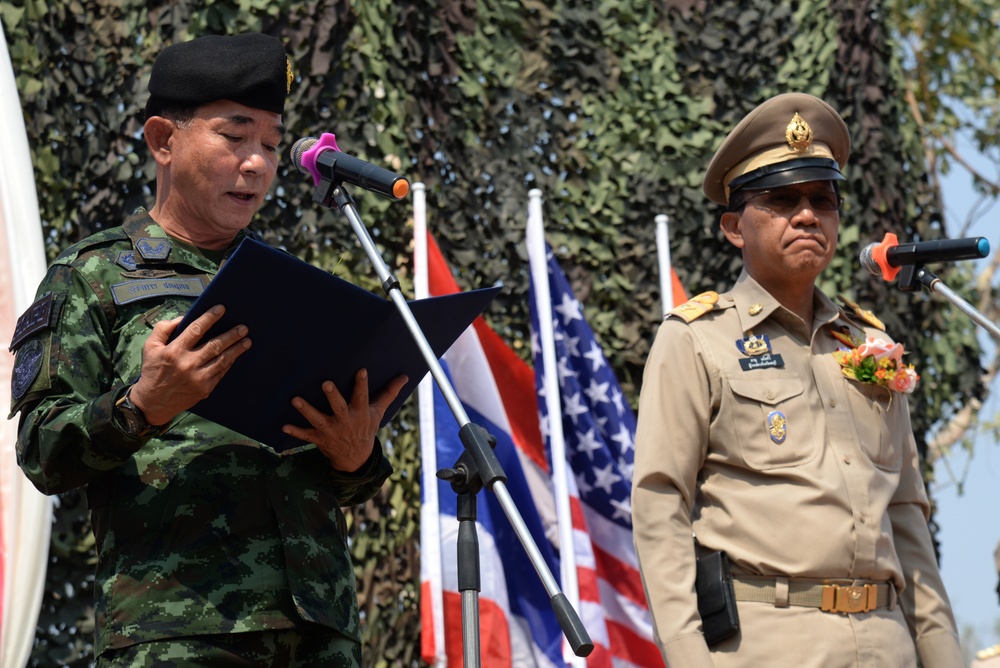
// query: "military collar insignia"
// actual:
[[126, 259], [755, 309], [798, 134], [153, 248]]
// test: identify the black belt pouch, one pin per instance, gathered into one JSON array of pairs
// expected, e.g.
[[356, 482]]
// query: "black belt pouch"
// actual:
[[716, 598]]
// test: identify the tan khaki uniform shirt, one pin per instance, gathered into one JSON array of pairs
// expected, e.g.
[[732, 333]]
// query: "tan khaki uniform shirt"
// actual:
[[840, 497]]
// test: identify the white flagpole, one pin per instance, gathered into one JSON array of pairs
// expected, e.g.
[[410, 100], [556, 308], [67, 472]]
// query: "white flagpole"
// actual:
[[430, 512], [538, 262], [25, 514], [667, 296]]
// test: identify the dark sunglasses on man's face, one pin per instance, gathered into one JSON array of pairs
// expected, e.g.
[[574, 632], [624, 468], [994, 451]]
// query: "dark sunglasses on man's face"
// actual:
[[786, 200]]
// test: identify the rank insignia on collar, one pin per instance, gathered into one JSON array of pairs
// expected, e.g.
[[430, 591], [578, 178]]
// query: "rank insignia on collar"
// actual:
[[755, 309], [153, 249], [777, 426], [754, 345], [126, 259]]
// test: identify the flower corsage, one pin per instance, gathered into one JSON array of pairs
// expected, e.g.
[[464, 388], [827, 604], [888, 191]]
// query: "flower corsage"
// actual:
[[875, 360]]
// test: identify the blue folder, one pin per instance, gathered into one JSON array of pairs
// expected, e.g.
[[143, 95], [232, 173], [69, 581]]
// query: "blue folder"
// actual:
[[308, 326]]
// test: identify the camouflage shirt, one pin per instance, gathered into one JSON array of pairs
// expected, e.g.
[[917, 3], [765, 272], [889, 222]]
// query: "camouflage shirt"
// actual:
[[199, 530]]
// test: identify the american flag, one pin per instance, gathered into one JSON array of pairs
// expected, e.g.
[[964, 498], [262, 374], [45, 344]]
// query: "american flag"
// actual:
[[598, 427]]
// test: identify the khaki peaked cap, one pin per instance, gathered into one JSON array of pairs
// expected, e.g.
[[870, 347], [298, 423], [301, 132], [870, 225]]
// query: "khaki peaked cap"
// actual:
[[790, 138]]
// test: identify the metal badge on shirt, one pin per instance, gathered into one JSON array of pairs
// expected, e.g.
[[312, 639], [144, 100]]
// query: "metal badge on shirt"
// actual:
[[758, 351]]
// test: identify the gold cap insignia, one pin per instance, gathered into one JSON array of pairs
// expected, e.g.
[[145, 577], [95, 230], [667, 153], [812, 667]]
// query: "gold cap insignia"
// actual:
[[288, 75], [798, 134]]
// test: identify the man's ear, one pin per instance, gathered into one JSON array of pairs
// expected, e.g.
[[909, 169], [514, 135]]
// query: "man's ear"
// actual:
[[157, 132], [732, 227]]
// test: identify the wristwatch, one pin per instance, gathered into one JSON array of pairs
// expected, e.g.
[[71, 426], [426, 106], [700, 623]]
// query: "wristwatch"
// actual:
[[130, 417]]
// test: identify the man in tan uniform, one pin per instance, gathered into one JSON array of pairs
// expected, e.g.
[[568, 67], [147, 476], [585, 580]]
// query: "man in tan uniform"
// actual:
[[774, 427]]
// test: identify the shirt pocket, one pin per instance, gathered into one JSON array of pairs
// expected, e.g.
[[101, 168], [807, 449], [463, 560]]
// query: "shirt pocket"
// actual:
[[771, 421], [871, 404]]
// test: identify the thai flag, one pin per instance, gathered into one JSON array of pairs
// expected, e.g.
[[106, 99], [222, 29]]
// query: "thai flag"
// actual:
[[517, 625], [498, 390]]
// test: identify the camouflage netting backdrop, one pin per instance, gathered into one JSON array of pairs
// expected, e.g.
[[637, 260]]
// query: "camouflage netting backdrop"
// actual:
[[612, 109]]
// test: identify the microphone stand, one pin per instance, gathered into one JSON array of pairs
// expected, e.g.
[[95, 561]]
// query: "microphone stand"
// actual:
[[476, 468], [912, 274]]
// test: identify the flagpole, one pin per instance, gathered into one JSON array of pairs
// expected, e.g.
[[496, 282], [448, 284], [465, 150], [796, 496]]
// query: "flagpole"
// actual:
[[538, 263], [667, 296], [477, 467], [430, 518]]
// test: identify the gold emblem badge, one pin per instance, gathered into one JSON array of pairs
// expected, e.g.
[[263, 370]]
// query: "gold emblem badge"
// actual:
[[798, 134], [755, 309], [777, 426], [288, 75]]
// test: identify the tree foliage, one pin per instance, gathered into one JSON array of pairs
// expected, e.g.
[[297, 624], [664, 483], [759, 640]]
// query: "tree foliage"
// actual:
[[611, 108]]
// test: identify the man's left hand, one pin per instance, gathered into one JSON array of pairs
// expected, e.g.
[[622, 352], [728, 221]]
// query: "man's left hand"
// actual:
[[347, 435]]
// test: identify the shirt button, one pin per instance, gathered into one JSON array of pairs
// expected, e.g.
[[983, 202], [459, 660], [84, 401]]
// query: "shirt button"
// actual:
[[770, 394], [833, 403], [861, 518], [847, 460]]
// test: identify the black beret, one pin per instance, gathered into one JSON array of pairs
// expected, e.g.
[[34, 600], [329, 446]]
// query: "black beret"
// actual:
[[250, 68], [790, 138]]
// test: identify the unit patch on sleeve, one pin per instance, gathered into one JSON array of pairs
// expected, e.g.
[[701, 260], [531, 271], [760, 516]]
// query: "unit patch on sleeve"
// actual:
[[35, 319]]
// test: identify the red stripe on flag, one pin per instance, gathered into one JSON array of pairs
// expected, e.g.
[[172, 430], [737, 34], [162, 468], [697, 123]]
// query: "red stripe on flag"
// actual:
[[494, 634], [626, 644], [426, 624], [625, 579]]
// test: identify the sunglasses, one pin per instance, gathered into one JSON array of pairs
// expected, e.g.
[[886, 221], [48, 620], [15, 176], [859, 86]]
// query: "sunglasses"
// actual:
[[786, 200]]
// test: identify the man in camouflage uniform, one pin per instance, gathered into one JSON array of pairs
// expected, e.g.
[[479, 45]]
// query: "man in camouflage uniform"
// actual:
[[211, 546], [776, 447]]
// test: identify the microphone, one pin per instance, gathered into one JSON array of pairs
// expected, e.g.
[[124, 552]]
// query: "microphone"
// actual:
[[323, 159], [887, 257]]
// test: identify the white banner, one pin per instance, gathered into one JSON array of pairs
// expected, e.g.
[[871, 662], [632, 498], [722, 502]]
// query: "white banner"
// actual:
[[25, 514]]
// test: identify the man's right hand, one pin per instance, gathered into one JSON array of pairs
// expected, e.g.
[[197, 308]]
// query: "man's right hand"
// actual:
[[177, 375]]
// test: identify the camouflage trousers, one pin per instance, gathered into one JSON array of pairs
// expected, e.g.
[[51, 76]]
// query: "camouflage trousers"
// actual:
[[286, 648]]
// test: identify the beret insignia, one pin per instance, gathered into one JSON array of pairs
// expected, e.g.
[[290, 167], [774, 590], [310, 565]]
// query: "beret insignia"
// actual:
[[798, 134], [289, 76]]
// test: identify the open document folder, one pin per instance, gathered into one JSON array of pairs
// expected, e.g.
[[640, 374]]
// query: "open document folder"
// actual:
[[308, 326]]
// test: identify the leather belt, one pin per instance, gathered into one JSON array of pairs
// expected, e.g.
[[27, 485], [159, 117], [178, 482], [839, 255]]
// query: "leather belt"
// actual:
[[847, 596]]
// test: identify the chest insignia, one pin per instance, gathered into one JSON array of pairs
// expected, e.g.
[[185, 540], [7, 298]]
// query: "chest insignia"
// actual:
[[153, 249], [754, 345], [777, 426]]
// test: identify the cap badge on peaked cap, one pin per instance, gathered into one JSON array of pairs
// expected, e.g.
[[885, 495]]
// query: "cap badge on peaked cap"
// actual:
[[798, 134]]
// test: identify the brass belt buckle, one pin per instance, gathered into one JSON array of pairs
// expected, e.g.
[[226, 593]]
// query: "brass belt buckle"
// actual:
[[851, 599]]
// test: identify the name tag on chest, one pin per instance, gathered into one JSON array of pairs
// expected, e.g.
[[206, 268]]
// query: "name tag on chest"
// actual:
[[767, 361], [131, 291]]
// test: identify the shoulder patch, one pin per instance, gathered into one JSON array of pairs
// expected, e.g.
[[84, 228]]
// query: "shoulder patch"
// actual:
[[695, 307], [35, 319], [862, 314], [27, 364]]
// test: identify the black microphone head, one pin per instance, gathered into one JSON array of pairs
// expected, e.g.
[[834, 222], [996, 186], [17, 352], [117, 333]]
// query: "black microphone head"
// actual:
[[300, 147], [868, 262]]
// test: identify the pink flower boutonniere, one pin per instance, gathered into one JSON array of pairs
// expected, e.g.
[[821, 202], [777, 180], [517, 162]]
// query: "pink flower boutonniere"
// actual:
[[875, 360]]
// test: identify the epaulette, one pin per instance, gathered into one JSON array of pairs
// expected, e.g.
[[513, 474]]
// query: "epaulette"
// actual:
[[862, 314], [695, 307]]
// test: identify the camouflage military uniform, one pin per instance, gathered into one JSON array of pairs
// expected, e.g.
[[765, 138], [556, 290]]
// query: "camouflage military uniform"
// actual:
[[199, 529]]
